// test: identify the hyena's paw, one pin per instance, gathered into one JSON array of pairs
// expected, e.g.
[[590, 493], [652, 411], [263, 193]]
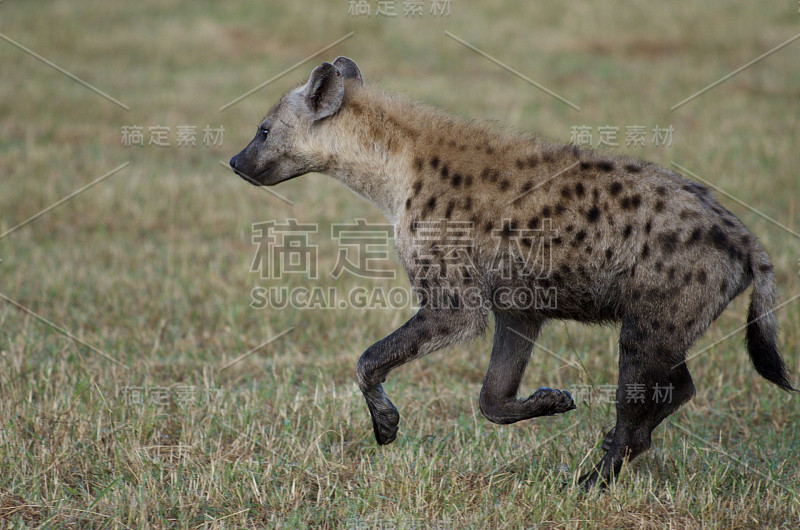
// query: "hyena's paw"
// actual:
[[385, 422], [552, 401], [591, 479]]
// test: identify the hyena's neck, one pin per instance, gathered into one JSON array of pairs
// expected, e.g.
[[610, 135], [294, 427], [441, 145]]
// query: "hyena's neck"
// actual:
[[378, 143], [368, 146]]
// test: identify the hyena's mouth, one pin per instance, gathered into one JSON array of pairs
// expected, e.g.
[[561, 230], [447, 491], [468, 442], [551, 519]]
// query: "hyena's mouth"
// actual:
[[256, 180]]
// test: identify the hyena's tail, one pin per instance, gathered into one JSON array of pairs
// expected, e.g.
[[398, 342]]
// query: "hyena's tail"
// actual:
[[762, 326]]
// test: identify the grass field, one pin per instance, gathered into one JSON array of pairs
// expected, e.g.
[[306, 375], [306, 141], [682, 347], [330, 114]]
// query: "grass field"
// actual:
[[151, 267]]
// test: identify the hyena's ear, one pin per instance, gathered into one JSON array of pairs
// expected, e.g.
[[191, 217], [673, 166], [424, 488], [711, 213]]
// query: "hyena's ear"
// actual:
[[324, 91], [349, 69]]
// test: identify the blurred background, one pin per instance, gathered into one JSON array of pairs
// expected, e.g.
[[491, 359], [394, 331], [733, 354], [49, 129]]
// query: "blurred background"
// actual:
[[151, 265]]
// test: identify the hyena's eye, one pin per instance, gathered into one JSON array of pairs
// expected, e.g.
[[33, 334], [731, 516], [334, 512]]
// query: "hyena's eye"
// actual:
[[264, 132]]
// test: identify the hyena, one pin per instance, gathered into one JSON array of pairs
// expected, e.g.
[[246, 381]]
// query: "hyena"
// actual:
[[614, 239]]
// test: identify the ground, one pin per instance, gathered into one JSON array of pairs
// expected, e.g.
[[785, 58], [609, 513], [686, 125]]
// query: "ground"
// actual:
[[151, 267]]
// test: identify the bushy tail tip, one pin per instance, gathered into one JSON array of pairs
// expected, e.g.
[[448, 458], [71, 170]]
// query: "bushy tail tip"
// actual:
[[762, 329]]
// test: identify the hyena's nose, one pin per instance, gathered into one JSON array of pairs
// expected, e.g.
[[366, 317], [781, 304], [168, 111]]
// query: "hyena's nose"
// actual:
[[232, 163]]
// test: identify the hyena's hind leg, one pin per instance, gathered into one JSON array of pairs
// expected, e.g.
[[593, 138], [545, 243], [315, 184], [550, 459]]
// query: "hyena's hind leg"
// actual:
[[427, 331], [513, 340], [653, 383]]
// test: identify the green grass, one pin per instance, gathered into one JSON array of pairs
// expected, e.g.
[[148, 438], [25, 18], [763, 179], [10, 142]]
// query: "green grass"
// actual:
[[152, 267]]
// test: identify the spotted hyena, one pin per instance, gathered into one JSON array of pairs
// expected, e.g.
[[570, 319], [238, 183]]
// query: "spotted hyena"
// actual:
[[546, 232]]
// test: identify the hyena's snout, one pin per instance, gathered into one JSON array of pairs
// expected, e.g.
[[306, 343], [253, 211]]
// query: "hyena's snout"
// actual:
[[239, 167], [233, 161]]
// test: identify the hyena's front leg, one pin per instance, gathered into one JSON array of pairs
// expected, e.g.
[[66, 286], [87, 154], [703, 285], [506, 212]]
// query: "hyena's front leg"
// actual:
[[427, 331], [513, 340]]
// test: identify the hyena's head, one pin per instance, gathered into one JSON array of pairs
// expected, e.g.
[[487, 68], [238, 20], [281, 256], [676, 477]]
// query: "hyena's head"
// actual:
[[282, 147]]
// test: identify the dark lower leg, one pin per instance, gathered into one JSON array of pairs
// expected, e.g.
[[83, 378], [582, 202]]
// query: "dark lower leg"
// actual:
[[513, 340], [426, 332], [648, 392]]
